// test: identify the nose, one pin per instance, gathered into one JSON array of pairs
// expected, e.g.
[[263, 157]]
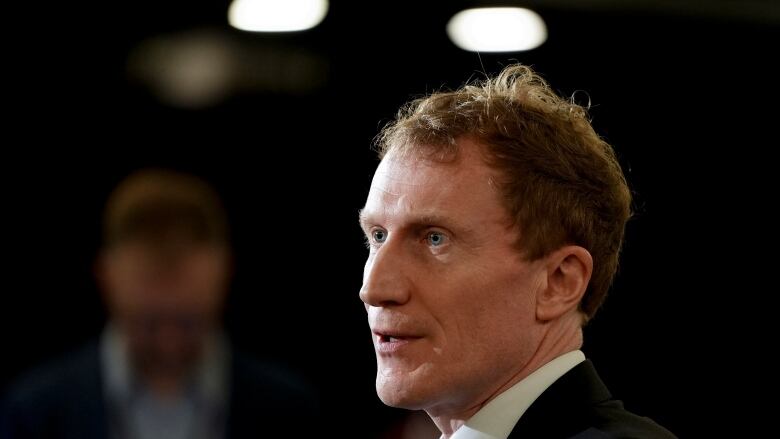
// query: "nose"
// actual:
[[386, 279]]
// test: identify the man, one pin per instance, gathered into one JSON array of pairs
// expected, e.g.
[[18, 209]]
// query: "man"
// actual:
[[163, 367], [494, 223]]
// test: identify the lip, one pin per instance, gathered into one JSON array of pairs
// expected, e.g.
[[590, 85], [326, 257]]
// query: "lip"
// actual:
[[390, 342]]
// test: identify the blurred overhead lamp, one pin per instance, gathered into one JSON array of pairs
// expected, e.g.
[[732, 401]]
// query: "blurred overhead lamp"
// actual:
[[497, 29], [276, 15]]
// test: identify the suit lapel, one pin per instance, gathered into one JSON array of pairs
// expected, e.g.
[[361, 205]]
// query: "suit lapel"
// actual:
[[84, 413], [562, 410]]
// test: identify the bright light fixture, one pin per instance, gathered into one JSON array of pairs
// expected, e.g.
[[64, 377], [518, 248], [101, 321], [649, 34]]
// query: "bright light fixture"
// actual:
[[497, 29], [276, 15]]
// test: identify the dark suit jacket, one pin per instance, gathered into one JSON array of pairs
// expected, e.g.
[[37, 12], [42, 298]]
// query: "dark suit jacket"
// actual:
[[66, 400], [578, 405]]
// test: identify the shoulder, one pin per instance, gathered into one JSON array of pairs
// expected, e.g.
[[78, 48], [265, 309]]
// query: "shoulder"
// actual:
[[46, 395], [601, 415], [579, 405], [56, 379], [610, 419], [269, 385], [267, 397]]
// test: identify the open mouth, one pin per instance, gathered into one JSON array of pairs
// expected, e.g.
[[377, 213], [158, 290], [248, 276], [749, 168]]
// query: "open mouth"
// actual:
[[387, 338], [391, 343]]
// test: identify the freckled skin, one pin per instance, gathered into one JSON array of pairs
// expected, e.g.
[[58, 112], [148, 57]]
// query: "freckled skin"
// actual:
[[464, 290], [457, 315]]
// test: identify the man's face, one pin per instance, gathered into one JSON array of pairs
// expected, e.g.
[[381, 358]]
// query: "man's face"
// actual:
[[450, 301], [165, 303]]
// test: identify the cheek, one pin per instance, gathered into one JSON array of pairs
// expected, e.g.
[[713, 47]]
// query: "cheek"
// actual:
[[128, 298], [488, 314]]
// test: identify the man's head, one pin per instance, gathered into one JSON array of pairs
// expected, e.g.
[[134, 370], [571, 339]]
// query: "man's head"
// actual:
[[494, 224], [164, 268]]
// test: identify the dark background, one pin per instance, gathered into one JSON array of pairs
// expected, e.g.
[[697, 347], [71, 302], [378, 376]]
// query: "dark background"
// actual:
[[686, 92]]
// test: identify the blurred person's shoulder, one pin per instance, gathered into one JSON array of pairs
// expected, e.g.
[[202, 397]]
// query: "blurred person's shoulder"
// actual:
[[59, 377], [53, 395], [266, 395], [270, 383]]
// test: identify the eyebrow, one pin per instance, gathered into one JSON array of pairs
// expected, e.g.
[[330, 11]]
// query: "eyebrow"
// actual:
[[423, 220], [364, 218]]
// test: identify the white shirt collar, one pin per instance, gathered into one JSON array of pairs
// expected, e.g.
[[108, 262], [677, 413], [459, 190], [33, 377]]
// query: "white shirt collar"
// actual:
[[498, 417], [210, 375]]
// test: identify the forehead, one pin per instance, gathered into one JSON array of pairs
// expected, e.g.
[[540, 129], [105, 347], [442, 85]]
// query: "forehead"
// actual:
[[163, 257], [410, 185]]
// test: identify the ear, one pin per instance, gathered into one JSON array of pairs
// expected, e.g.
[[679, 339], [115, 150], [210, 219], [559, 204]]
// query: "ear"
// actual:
[[229, 269], [103, 271], [230, 265], [100, 269], [568, 272]]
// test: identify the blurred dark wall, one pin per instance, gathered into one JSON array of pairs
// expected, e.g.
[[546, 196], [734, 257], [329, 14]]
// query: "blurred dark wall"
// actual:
[[687, 101]]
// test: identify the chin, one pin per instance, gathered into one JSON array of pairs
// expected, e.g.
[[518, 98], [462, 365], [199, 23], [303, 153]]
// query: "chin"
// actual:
[[404, 393]]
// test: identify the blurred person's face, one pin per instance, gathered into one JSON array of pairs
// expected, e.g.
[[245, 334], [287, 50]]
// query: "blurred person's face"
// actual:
[[450, 301], [165, 303]]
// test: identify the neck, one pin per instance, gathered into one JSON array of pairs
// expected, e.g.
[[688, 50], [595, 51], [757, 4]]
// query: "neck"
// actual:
[[558, 337], [164, 387]]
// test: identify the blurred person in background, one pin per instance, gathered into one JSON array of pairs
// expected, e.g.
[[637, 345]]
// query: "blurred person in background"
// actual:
[[163, 367], [494, 223]]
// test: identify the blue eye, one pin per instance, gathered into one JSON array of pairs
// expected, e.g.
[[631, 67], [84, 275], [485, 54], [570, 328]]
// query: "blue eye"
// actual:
[[378, 235], [436, 239]]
